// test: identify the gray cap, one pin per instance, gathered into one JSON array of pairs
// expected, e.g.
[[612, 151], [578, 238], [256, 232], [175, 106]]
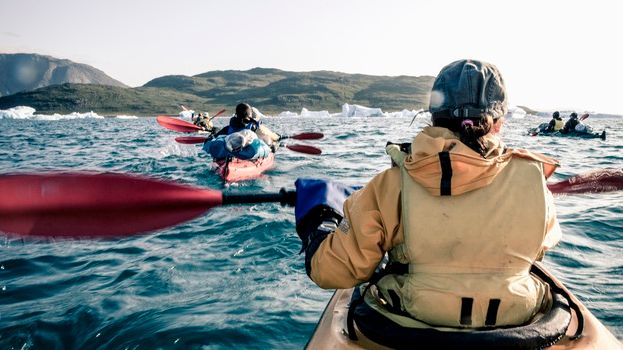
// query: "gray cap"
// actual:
[[468, 89]]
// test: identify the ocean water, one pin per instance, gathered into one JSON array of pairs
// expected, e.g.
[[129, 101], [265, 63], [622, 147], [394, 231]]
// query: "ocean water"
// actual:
[[233, 278]]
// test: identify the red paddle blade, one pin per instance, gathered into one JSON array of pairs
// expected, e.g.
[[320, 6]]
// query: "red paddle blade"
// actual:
[[603, 180], [189, 140], [96, 205], [307, 136], [584, 116], [176, 124], [304, 149]]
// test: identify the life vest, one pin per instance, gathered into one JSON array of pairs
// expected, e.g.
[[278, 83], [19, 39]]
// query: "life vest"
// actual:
[[469, 255], [559, 124]]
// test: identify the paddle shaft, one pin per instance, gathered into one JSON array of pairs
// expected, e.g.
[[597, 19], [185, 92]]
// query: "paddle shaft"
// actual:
[[114, 204], [218, 113], [283, 196]]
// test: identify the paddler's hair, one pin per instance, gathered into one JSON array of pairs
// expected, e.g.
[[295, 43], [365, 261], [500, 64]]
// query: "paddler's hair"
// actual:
[[470, 130], [243, 110]]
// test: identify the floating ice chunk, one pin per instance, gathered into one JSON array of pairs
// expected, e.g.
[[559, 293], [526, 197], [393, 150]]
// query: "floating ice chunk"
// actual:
[[287, 114], [314, 114], [19, 112], [516, 112], [360, 111], [25, 112]]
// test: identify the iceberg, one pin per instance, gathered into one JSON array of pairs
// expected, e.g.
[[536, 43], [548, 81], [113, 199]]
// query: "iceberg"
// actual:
[[26, 112], [356, 111], [405, 113], [360, 111], [287, 114], [314, 114], [516, 113], [19, 112]]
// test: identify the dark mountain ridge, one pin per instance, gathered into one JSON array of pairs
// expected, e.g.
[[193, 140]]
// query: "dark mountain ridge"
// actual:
[[271, 90]]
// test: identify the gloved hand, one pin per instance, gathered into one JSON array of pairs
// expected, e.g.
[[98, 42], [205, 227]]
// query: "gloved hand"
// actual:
[[318, 202], [405, 147]]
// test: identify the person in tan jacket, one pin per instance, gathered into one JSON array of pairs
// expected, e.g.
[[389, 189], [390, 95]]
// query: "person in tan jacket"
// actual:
[[464, 215]]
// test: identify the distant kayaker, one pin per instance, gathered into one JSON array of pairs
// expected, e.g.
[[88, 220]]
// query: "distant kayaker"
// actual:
[[248, 117], [461, 218], [570, 124], [556, 123], [203, 121]]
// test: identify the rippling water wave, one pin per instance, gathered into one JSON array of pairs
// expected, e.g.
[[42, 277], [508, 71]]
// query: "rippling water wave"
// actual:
[[233, 277]]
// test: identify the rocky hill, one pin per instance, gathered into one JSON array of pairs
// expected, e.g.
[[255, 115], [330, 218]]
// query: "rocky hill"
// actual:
[[271, 90], [24, 72], [275, 90]]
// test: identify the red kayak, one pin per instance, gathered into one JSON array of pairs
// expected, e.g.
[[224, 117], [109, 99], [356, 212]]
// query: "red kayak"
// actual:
[[238, 170]]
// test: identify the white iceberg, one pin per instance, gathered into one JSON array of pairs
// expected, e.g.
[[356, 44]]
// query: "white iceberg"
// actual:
[[360, 111], [314, 114], [287, 114], [516, 113], [19, 112], [357, 111], [26, 112]]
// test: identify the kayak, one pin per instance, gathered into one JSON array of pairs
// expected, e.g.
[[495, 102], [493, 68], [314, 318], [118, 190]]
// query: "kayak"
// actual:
[[553, 328], [235, 169], [584, 135], [541, 131]]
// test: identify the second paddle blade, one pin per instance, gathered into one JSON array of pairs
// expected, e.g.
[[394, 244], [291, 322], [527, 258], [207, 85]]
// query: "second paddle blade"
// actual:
[[602, 180], [307, 136], [305, 149]]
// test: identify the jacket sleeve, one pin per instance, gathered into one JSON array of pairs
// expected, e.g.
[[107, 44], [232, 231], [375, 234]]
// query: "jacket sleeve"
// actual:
[[370, 227]]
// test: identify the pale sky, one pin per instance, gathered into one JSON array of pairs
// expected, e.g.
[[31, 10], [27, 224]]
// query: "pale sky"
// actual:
[[552, 54]]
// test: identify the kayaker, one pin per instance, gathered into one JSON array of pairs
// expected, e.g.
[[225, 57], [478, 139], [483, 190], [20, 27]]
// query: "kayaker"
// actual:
[[461, 217], [248, 117], [556, 123], [570, 124], [203, 121]]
